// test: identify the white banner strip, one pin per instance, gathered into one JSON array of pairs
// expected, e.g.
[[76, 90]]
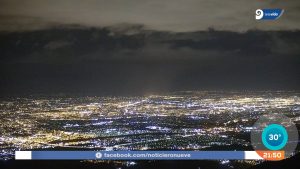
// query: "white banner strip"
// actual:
[[23, 155]]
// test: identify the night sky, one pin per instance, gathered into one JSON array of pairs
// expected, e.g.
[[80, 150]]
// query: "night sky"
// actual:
[[137, 47]]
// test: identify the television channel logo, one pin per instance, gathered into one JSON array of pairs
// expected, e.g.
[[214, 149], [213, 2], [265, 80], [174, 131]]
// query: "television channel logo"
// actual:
[[268, 14]]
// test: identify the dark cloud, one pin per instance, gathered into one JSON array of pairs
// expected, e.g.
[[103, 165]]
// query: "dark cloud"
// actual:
[[137, 61], [140, 46]]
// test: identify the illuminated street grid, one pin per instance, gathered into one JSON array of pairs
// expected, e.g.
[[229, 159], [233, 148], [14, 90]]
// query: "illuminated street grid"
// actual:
[[179, 121]]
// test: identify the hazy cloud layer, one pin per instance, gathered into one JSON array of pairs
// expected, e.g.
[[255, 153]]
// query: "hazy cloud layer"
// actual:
[[170, 15], [135, 61]]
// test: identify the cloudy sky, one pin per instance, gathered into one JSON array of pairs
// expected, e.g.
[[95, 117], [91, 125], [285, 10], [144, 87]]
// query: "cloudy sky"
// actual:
[[170, 15], [140, 46]]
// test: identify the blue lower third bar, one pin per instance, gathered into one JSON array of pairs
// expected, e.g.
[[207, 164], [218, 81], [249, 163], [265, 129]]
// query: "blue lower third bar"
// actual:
[[135, 155]]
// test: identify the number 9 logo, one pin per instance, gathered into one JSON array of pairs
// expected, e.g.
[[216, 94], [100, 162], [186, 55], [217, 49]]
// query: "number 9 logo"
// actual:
[[259, 14]]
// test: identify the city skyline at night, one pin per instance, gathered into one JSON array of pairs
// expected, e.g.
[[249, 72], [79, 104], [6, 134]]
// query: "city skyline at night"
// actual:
[[99, 77]]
